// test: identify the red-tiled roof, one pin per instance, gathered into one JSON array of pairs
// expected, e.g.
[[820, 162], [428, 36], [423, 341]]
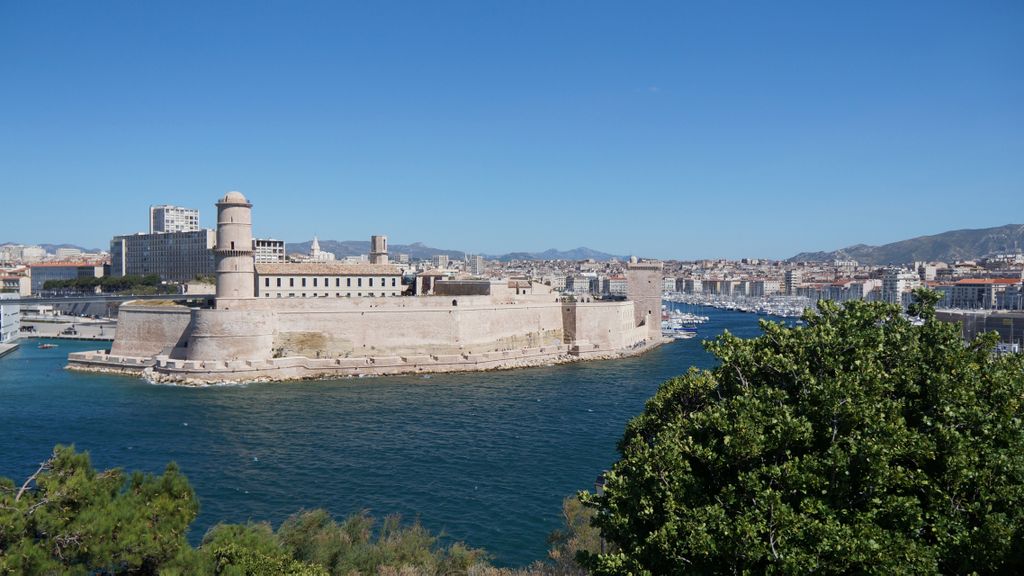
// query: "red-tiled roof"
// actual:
[[64, 264], [989, 281]]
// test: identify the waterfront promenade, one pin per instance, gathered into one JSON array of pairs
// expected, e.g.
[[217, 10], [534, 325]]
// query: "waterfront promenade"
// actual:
[[8, 347]]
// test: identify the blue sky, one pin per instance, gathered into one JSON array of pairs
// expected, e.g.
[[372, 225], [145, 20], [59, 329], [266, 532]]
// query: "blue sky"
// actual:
[[664, 129]]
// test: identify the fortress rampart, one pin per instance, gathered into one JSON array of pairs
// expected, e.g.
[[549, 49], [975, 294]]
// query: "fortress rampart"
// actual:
[[247, 338]]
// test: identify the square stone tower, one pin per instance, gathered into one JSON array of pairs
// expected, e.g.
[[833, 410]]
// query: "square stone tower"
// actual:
[[378, 249], [643, 288]]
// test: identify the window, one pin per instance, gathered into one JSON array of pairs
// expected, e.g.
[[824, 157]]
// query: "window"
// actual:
[[383, 281], [291, 283], [348, 282], [327, 282], [278, 282], [303, 282], [337, 282], [266, 282], [359, 282], [314, 282], [393, 280], [371, 282]]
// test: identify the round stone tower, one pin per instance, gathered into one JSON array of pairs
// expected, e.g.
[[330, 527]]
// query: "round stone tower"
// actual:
[[235, 264]]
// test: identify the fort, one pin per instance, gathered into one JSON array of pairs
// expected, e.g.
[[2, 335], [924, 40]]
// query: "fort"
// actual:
[[294, 321]]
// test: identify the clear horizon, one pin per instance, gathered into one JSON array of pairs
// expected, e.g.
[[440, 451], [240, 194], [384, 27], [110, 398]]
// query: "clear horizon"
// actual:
[[668, 131]]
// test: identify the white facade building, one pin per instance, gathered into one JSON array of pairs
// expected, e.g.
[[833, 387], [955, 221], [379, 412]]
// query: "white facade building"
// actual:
[[268, 250], [439, 261], [897, 284], [167, 218], [327, 280], [10, 319]]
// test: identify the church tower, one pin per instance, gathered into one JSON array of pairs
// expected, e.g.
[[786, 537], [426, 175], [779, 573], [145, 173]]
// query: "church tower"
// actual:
[[234, 254], [378, 249]]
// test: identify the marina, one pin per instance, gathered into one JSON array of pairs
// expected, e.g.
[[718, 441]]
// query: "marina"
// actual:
[[784, 306]]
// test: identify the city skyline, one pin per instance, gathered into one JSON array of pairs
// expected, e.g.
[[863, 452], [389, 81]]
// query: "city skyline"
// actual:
[[663, 131]]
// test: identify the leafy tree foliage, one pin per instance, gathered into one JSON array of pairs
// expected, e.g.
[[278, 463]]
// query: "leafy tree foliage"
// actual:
[[149, 284], [69, 519], [862, 442]]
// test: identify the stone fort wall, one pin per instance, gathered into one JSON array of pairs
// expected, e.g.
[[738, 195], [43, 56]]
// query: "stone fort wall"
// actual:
[[145, 330], [365, 328]]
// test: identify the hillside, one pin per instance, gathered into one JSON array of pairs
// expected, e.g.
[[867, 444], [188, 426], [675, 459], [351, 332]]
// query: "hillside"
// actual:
[[945, 247], [418, 250]]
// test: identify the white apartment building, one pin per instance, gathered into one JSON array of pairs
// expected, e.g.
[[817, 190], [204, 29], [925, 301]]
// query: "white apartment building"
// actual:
[[167, 218], [897, 284], [475, 265], [10, 318], [268, 250], [439, 261]]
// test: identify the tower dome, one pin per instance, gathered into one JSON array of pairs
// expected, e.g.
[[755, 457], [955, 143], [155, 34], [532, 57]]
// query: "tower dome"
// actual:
[[233, 197]]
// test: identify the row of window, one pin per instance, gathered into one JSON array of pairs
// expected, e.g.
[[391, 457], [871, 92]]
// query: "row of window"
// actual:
[[327, 282], [327, 294]]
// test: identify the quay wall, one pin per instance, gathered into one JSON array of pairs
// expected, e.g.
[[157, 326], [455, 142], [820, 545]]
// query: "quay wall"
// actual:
[[148, 330]]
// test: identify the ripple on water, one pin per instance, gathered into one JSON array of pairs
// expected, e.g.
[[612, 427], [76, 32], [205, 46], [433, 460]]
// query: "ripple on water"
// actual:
[[486, 457]]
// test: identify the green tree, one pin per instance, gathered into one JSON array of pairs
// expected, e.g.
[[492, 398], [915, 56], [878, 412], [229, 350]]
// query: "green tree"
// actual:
[[859, 443], [67, 518]]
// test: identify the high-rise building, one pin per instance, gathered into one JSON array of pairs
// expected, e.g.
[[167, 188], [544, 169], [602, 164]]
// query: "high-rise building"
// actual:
[[440, 261], [167, 218], [174, 256], [793, 280], [475, 264]]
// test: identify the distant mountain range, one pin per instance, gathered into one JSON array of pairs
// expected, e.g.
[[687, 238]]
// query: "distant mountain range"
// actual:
[[581, 253], [418, 250], [52, 248], [944, 247]]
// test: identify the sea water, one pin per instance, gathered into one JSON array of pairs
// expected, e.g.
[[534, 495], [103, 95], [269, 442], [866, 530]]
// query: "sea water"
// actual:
[[484, 457]]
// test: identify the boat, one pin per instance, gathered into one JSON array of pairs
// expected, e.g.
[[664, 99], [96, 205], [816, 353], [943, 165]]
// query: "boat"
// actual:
[[47, 346]]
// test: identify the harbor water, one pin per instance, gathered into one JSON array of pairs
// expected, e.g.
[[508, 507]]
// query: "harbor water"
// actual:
[[484, 457]]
